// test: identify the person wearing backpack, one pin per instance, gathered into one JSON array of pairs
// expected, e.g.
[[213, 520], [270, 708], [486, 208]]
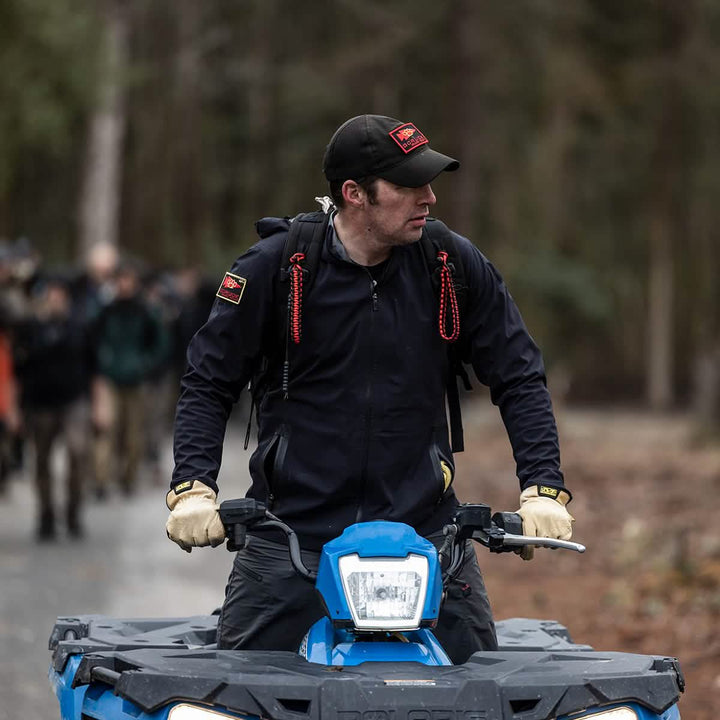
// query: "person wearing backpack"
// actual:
[[351, 326]]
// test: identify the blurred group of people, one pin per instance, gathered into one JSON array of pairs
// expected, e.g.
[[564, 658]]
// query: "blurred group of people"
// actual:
[[90, 362]]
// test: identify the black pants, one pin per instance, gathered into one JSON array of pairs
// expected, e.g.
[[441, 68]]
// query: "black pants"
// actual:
[[47, 426], [268, 606]]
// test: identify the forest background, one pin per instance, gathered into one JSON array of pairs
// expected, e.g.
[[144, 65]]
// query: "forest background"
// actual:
[[588, 133], [589, 138]]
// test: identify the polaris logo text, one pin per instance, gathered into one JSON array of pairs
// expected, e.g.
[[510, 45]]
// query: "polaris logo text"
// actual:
[[420, 714], [408, 137]]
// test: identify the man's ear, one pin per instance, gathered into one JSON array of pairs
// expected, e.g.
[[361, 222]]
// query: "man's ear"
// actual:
[[353, 194]]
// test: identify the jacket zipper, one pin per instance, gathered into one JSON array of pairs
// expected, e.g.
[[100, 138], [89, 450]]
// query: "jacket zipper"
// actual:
[[368, 398]]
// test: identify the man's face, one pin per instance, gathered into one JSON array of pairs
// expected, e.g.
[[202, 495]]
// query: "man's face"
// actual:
[[397, 217], [126, 285], [57, 301]]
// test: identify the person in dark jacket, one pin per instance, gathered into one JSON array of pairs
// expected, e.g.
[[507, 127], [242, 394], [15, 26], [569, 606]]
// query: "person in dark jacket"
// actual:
[[53, 365], [358, 432], [128, 344]]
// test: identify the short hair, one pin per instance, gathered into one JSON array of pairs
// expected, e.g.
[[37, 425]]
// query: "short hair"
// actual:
[[368, 184]]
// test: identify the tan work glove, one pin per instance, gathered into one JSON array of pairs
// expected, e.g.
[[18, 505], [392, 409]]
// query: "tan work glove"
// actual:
[[542, 509], [194, 519]]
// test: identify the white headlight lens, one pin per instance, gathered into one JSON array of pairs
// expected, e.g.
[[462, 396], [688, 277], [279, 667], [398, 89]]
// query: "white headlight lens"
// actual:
[[622, 713], [193, 712], [385, 593]]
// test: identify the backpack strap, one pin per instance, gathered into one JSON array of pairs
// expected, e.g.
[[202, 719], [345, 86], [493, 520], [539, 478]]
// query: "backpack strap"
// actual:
[[304, 239], [447, 273], [301, 257], [298, 268], [438, 238]]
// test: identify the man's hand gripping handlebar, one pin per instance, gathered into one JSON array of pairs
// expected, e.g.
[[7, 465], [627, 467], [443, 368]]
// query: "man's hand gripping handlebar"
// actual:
[[501, 532]]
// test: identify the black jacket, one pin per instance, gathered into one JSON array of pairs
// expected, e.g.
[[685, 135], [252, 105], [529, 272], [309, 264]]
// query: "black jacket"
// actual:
[[128, 341], [53, 361], [363, 431]]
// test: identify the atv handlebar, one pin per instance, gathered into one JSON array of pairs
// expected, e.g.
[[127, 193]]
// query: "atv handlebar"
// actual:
[[239, 515], [501, 532]]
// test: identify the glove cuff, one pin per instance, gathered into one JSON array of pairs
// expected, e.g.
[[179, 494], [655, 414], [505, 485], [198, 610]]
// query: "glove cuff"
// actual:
[[189, 489], [545, 491]]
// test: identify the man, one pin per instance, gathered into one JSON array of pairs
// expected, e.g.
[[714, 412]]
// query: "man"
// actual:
[[128, 343], [352, 427], [53, 360]]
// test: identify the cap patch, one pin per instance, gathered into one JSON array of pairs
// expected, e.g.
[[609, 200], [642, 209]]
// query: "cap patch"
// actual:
[[408, 137], [231, 288]]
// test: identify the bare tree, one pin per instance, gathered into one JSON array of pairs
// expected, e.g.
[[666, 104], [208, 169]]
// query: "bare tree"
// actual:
[[100, 193], [666, 197]]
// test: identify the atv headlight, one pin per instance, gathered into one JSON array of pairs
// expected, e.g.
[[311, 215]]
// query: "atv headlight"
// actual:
[[385, 593], [193, 712], [621, 713]]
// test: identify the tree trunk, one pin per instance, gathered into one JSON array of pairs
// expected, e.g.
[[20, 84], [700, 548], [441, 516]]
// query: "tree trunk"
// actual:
[[188, 161], [660, 314], [666, 200], [100, 193], [706, 390], [263, 120], [704, 257], [468, 94]]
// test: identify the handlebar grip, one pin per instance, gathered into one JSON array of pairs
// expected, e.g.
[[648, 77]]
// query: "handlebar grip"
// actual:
[[236, 516], [239, 535], [510, 522]]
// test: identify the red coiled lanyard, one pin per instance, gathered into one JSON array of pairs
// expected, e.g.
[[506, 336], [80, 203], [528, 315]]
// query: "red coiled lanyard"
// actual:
[[449, 310]]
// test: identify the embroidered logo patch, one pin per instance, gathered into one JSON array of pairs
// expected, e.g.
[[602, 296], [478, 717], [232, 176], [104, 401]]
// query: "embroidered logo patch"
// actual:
[[408, 137], [231, 288], [548, 491]]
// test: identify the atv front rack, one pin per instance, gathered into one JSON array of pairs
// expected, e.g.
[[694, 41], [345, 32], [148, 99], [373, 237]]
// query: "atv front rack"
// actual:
[[538, 673]]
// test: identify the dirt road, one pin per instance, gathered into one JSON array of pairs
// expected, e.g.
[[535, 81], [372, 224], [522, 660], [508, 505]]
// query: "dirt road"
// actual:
[[125, 567], [647, 503]]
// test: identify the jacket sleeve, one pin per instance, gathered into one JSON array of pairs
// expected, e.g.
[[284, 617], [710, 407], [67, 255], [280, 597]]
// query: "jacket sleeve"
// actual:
[[221, 358], [506, 359]]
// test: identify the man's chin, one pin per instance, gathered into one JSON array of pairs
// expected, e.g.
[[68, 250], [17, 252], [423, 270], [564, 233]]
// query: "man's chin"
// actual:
[[408, 238]]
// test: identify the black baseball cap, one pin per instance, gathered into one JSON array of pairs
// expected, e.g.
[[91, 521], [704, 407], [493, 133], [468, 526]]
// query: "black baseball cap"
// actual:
[[386, 148]]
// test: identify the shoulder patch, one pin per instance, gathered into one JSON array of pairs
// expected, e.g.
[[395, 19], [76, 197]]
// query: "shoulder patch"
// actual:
[[231, 288]]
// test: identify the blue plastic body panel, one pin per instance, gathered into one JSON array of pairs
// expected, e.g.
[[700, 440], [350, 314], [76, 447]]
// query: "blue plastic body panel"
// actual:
[[100, 702], [70, 699], [96, 700], [378, 538], [327, 645]]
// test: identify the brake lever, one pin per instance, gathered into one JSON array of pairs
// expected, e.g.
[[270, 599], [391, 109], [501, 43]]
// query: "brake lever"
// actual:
[[497, 540], [513, 541]]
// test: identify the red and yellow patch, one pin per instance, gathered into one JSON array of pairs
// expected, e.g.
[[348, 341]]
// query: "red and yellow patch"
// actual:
[[408, 137], [231, 288]]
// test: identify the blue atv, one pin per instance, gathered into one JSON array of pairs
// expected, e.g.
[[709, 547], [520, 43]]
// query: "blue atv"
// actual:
[[373, 657]]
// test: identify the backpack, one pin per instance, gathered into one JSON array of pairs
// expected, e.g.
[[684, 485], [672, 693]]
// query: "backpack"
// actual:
[[298, 269]]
